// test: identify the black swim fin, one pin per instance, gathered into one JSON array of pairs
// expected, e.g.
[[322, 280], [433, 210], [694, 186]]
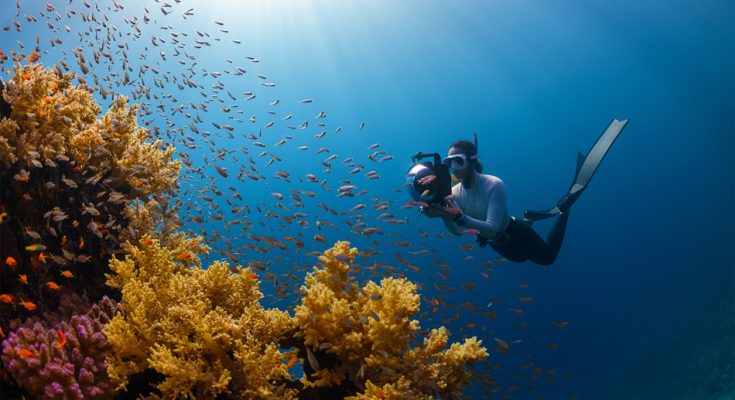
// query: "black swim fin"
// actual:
[[586, 168]]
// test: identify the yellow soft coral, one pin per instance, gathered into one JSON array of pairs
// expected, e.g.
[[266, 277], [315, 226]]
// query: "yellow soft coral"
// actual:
[[47, 112], [369, 329], [116, 143], [51, 119], [204, 329]]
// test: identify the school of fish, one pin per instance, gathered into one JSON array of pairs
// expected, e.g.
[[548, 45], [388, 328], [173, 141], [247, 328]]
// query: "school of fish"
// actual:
[[266, 180]]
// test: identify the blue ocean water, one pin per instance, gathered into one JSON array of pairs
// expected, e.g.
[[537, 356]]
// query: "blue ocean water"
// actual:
[[646, 275]]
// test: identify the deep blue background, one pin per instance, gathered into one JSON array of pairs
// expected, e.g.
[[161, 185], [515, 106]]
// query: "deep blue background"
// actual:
[[646, 276]]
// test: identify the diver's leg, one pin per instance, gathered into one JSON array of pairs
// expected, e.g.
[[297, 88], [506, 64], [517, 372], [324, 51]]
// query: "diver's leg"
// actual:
[[534, 247], [530, 244], [556, 236]]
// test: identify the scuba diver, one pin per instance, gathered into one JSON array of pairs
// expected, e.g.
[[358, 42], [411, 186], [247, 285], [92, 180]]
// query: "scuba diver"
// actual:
[[477, 204]]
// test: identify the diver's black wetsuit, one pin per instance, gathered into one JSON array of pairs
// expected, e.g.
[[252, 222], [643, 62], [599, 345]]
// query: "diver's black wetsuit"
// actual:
[[520, 243]]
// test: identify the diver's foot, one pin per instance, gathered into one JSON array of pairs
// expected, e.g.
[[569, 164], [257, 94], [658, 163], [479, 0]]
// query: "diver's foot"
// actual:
[[567, 200]]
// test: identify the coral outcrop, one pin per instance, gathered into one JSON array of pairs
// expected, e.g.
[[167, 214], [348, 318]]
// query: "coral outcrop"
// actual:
[[64, 358], [203, 329], [53, 120], [370, 329], [206, 333], [71, 185]]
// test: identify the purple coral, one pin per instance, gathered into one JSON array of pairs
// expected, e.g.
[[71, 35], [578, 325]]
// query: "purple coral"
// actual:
[[74, 371]]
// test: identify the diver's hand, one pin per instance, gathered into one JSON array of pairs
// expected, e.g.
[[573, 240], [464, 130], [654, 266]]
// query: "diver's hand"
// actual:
[[450, 213], [432, 211]]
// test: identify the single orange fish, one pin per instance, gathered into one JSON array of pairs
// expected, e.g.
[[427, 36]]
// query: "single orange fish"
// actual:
[[42, 257], [28, 305], [81, 243], [435, 302], [10, 261], [26, 76], [6, 298], [183, 256], [23, 278], [2, 334], [148, 241], [67, 274], [442, 345], [252, 275], [52, 285], [62, 340], [471, 325], [292, 362], [25, 353]]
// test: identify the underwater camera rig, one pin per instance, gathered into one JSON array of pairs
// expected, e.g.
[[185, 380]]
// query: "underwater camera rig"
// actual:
[[429, 182]]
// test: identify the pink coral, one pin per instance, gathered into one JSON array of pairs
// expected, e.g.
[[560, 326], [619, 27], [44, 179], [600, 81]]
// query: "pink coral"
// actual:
[[37, 359]]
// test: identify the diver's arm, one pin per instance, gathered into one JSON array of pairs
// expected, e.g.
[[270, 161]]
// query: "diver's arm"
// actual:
[[496, 210], [434, 211]]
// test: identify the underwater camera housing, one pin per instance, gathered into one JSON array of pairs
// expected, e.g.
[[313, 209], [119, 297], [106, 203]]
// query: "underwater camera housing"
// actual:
[[429, 182]]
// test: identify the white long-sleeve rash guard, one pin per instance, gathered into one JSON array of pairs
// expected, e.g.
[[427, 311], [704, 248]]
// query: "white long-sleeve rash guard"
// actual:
[[484, 205]]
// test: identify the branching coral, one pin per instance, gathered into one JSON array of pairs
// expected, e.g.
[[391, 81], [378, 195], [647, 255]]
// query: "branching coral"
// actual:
[[370, 330], [47, 112], [62, 359], [69, 185], [203, 329], [51, 119]]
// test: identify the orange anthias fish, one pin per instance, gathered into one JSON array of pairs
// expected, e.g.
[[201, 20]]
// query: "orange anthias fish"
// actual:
[[67, 274], [25, 353], [148, 241], [62, 340], [184, 256], [23, 278], [6, 298], [28, 305], [10, 261], [52, 285]]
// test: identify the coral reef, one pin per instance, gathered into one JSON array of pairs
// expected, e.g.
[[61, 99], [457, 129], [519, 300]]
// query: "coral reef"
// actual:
[[370, 330], [70, 187], [69, 184], [203, 329], [53, 120], [62, 359], [205, 332]]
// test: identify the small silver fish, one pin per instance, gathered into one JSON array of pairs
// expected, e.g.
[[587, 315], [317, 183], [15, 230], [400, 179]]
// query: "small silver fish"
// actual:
[[312, 359]]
